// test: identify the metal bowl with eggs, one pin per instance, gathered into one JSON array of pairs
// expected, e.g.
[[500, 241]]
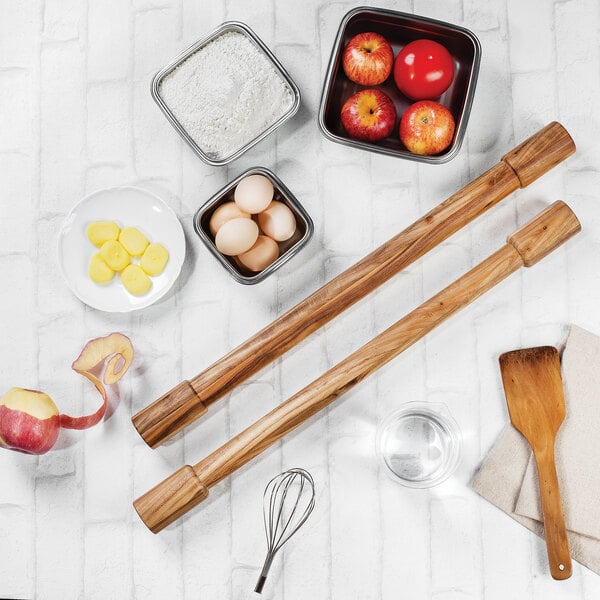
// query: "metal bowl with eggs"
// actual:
[[253, 225]]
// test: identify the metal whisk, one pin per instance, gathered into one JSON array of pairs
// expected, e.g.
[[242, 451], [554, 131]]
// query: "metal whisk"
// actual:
[[288, 500]]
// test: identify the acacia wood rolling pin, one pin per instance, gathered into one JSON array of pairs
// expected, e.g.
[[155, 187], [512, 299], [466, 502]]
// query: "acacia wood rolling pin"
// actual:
[[188, 486], [189, 400]]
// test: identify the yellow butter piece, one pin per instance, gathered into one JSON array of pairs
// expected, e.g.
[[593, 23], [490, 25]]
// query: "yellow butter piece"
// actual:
[[135, 280], [133, 240], [99, 271], [114, 255], [99, 232], [154, 259]]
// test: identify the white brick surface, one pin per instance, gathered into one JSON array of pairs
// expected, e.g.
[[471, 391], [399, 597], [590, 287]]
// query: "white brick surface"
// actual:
[[108, 134], [110, 40], [18, 331], [18, 33], [76, 116], [17, 581], [528, 21], [107, 556], [62, 101], [16, 202], [15, 108], [63, 20]]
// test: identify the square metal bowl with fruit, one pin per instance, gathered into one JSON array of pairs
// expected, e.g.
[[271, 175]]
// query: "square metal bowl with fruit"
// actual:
[[400, 85]]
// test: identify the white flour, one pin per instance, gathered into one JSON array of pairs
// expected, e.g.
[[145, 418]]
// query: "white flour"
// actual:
[[226, 94]]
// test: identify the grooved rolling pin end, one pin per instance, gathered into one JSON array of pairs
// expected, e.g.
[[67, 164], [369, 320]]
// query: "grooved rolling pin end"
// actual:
[[160, 420], [546, 232], [540, 153], [170, 499]]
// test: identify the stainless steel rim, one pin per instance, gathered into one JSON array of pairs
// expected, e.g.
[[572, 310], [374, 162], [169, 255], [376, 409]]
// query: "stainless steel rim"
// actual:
[[461, 124], [182, 56], [299, 210]]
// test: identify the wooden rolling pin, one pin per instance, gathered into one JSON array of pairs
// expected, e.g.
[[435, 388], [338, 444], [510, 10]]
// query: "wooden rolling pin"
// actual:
[[189, 400], [188, 486]]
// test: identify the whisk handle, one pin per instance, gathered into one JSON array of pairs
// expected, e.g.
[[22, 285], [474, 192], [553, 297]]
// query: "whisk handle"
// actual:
[[260, 584], [265, 571]]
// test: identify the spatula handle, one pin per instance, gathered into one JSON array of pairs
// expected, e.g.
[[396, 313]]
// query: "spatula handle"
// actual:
[[555, 531]]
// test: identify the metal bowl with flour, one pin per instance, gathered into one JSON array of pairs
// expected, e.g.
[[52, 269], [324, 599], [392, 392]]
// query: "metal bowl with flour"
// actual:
[[225, 93]]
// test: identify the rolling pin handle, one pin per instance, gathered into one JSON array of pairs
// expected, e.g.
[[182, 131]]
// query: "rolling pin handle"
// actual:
[[541, 152], [170, 499], [545, 233], [162, 419]]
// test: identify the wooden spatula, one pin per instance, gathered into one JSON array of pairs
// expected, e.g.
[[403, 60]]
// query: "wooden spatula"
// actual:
[[536, 404]]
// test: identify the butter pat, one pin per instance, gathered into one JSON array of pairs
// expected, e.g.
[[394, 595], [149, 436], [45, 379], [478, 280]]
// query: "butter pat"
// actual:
[[100, 232], [133, 240], [114, 255], [99, 271], [135, 280], [154, 259]]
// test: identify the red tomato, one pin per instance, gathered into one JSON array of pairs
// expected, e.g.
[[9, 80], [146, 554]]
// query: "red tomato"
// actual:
[[423, 70]]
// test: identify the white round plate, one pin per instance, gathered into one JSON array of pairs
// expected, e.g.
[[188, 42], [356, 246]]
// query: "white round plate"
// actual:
[[127, 206]]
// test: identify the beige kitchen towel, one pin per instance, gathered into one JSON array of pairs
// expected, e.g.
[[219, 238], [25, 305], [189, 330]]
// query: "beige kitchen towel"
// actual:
[[508, 478]]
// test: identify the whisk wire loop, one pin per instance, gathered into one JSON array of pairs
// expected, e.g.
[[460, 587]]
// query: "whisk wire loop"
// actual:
[[288, 500]]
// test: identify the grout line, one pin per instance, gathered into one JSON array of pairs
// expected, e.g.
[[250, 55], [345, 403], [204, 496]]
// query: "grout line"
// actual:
[[130, 77], [85, 45], [36, 193]]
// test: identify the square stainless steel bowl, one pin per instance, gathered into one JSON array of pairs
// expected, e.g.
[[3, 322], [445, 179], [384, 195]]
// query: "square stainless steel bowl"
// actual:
[[287, 249], [400, 29], [230, 26]]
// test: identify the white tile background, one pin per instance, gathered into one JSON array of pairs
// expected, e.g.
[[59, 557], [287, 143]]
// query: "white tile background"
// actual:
[[76, 115]]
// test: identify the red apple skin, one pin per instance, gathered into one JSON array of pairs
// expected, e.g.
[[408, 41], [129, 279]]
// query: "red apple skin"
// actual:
[[368, 59], [427, 128], [25, 433], [369, 115]]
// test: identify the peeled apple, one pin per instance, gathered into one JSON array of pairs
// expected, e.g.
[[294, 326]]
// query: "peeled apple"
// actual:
[[30, 420]]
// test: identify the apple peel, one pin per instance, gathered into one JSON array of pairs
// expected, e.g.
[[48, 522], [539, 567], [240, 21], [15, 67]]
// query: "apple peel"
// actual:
[[29, 419], [116, 353]]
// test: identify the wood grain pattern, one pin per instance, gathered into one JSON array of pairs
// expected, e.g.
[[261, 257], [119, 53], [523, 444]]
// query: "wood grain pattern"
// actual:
[[174, 496], [538, 154], [550, 226], [536, 404], [181, 406]]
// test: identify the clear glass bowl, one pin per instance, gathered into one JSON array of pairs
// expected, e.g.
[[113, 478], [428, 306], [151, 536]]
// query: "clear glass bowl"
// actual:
[[420, 444]]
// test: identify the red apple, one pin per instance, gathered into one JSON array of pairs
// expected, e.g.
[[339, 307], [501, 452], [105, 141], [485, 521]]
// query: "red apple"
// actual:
[[29, 421], [369, 115], [426, 127], [368, 59]]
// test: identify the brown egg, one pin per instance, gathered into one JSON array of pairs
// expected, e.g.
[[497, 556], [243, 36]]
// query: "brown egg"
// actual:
[[264, 252], [224, 213], [277, 221], [236, 236], [254, 193]]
